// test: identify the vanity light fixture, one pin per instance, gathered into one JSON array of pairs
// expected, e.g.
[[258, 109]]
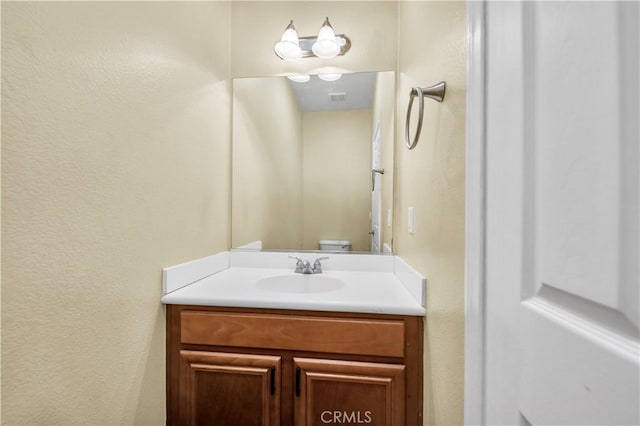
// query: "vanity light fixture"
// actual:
[[299, 78], [327, 44], [288, 48], [330, 77]]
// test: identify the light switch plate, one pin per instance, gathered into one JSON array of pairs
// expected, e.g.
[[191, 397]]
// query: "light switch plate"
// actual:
[[389, 218]]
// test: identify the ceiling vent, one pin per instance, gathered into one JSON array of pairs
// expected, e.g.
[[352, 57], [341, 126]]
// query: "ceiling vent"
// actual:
[[338, 97]]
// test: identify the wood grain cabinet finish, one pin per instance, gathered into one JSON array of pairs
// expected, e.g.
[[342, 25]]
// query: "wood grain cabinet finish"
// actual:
[[227, 389], [348, 392], [245, 367]]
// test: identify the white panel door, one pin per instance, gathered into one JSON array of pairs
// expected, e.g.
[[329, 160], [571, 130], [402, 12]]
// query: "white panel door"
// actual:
[[376, 190], [562, 258]]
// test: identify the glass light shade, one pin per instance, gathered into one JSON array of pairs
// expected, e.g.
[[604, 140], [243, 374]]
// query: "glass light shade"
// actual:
[[326, 46], [330, 77], [288, 48], [299, 78]]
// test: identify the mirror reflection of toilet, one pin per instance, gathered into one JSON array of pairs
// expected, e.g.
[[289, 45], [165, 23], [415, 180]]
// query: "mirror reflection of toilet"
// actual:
[[334, 245]]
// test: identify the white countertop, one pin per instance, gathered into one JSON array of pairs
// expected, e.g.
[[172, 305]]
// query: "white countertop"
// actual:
[[378, 291]]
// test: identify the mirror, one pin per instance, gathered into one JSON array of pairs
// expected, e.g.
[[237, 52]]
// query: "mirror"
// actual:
[[313, 161]]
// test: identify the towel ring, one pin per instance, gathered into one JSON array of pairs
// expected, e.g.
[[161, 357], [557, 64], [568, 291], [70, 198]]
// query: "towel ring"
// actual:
[[435, 92]]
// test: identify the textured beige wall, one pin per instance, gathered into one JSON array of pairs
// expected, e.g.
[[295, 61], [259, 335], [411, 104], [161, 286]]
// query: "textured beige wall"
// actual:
[[431, 179], [257, 25], [383, 112], [115, 164], [337, 177], [267, 164]]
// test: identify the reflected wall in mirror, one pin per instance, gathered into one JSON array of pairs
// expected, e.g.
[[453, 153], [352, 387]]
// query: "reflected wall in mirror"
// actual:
[[304, 156]]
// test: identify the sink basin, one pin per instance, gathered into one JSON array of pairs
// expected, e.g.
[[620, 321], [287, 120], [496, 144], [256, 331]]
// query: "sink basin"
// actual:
[[300, 283]]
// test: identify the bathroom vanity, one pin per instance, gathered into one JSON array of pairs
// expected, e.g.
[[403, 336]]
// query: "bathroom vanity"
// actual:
[[268, 363], [279, 367]]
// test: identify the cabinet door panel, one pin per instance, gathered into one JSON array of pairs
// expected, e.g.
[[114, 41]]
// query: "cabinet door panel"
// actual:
[[346, 392], [226, 389]]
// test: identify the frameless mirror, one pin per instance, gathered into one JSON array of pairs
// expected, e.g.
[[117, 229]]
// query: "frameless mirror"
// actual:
[[313, 161]]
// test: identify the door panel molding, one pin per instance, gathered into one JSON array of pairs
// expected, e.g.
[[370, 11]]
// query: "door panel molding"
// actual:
[[622, 343], [611, 321], [568, 377]]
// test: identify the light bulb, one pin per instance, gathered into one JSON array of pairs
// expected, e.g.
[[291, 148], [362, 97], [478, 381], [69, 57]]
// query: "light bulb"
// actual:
[[330, 77], [299, 78], [288, 48], [326, 45]]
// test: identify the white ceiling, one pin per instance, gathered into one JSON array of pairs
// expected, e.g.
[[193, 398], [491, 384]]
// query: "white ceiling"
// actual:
[[316, 94]]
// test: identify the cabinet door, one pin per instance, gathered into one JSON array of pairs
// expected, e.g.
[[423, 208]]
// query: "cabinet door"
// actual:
[[347, 392], [226, 389]]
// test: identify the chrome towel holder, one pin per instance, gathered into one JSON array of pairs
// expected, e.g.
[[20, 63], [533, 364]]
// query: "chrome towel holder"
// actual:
[[435, 92]]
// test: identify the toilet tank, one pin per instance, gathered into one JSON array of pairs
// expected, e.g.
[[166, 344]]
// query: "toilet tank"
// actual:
[[334, 245]]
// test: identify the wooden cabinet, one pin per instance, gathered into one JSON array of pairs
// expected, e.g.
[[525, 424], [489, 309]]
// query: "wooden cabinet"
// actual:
[[227, 389], [246, 367], [348, 392]]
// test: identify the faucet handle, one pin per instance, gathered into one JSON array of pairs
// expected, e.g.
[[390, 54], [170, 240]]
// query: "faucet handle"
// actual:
[[317, 265], [299, 263]]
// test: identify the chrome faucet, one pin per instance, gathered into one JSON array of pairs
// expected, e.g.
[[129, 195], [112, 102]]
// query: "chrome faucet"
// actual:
[[304, 266], [317, 266]]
